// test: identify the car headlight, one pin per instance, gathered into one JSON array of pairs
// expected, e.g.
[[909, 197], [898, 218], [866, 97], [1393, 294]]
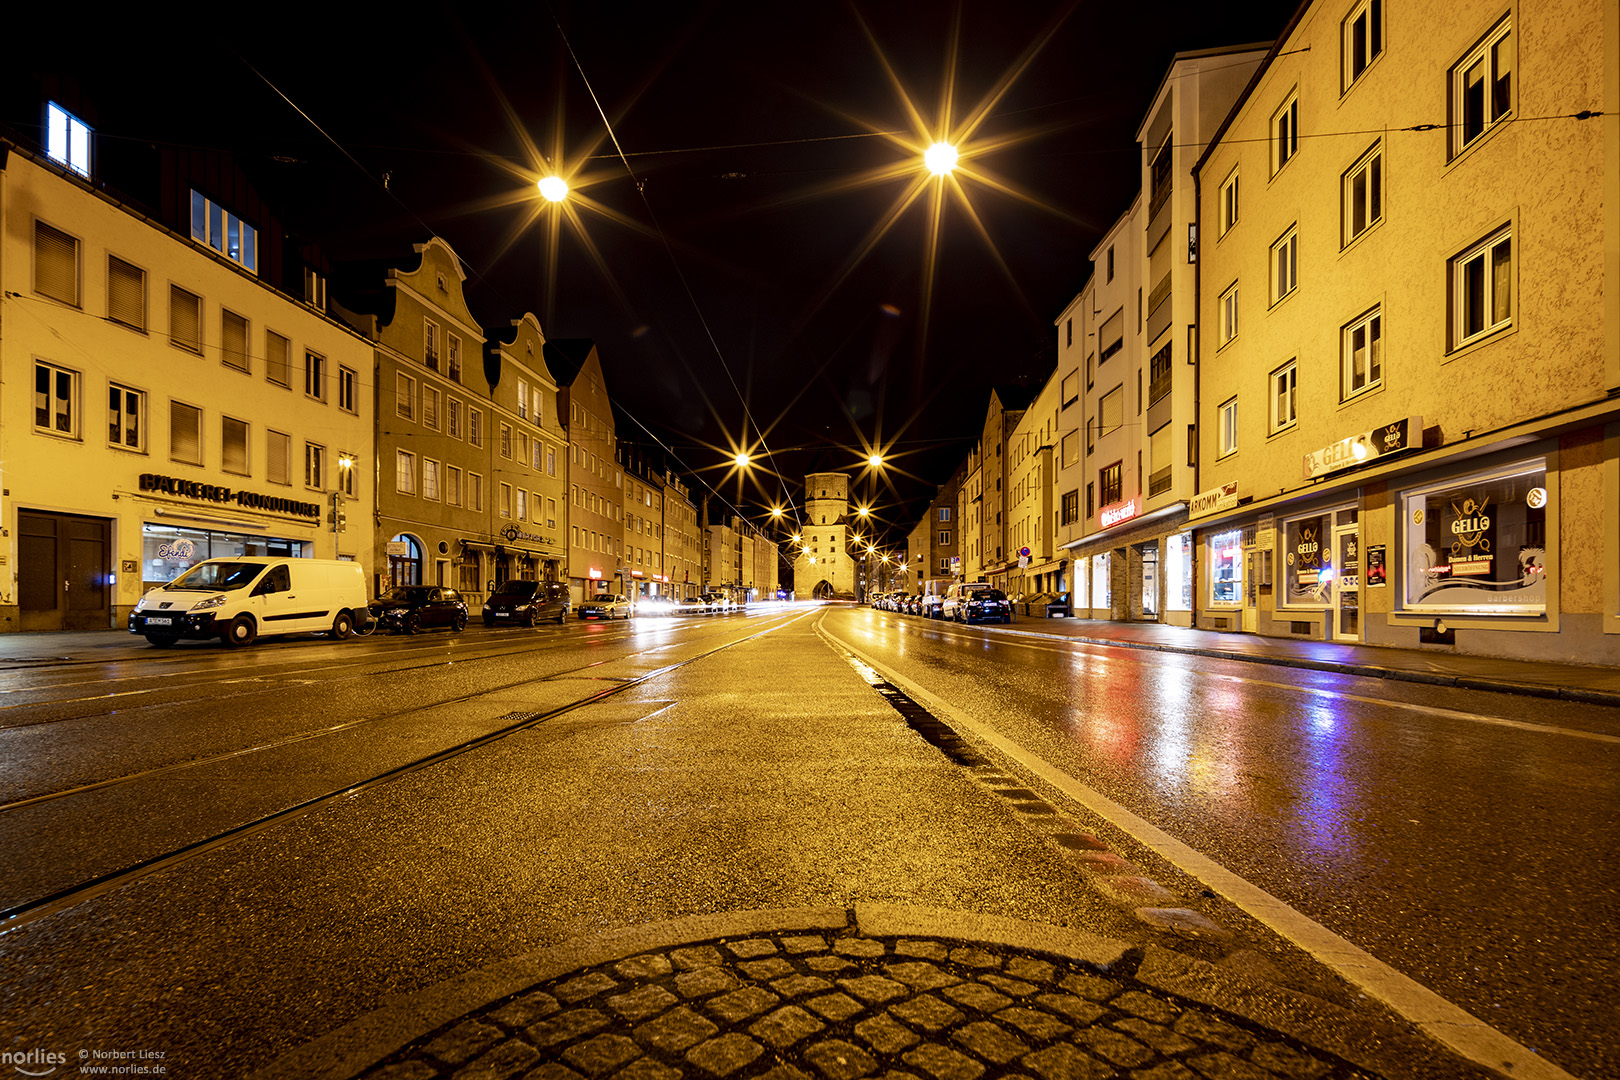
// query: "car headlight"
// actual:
[[488, 608], [211, 602]]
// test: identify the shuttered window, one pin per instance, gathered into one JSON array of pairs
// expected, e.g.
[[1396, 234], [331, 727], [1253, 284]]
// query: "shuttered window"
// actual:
[[126, 293], [56, 264], [185, 319], [185, 433], [277, 457], [234, 443], [277, 352], [234, 338]]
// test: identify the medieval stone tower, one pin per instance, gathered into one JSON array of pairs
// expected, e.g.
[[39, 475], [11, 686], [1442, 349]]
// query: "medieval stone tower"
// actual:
[[824, 568]]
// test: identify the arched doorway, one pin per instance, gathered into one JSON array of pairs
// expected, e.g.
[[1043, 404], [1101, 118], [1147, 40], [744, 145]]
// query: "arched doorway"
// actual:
[[823, 590], [405, 569]]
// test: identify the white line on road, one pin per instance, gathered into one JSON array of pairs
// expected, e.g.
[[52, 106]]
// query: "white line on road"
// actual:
[[1440, 1019]]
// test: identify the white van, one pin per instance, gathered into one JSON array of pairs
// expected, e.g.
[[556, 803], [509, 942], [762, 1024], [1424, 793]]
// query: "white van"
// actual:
[[238, 599]]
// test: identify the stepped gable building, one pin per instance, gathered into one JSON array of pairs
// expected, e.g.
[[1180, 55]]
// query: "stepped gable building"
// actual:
[[595, 478], [823, 569]]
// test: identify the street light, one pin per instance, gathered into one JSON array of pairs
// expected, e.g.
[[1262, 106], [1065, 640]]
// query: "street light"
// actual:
[[940, 158], [742, 460], [864, 511], [876, 461], [554, 188]]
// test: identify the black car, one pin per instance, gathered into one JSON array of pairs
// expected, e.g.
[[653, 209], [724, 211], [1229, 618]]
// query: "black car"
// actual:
[[986, 605], [526, 603], [410, 609]]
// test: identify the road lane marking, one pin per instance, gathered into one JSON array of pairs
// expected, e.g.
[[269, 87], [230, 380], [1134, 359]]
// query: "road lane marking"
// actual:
[[1443, 1021]]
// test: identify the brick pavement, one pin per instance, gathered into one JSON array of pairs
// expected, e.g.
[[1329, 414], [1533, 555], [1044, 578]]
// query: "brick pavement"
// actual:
[[792, 1005]]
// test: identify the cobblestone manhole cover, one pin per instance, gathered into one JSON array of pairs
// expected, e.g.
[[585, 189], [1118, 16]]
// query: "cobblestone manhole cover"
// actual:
[[796, 1005]]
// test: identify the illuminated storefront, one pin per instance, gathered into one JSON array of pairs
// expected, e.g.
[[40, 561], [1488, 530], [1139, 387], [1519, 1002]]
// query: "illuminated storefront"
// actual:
[[1478, 544]]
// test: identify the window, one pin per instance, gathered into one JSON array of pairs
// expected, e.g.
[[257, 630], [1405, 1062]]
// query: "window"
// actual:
[[1226, 568], [944, 566], [1364, 193], [1229, 202], [1482, 89], [126, 293], [234, 339], [452, 485], [521, 512], [1068, 330], [277, 457], [233, 444], [1161, 174], [56, 264], [1159, 480], [1091, 500], [551, 512], [56, 395], [475, 426], [1228, 315], [1363, 38], [430, 344], [430, 406], [1285, 265], [1071, 506], [348, 466], [453, 357], [1478, 544], [348, 390], [522, 400], [1111, 412], [1091, 366], [1111, 337], [1363, 354], [314, 289], [1160, 374], [1111, 483], [405, 472], [315, 375], [67, 139], [944, 536], [315, 467], [1071, 388], [430, 479], [1070, 448], [1110, 276], [1228, 432], [185, 433], [223, 231], [475, 491], [452, 418], [1285, 133], [126, 417], [551, 462], [506, 441], [278, 362], [1283, 414], [1482, 289], [404, 395], [185, 319], [506, 500]]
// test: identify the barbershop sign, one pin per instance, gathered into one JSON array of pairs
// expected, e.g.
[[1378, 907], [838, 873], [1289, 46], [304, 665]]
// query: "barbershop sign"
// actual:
[[215, 493], [1391, 438]]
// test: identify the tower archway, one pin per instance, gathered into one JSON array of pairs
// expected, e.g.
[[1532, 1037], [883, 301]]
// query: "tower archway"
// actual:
[[823, 590]]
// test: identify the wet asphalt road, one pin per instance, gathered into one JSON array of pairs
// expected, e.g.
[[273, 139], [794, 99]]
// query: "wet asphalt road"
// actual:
[[1472, 856], [1477, 858]]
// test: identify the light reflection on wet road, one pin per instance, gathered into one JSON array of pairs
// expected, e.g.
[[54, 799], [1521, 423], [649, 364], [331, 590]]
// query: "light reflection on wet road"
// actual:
[[1476, 858]]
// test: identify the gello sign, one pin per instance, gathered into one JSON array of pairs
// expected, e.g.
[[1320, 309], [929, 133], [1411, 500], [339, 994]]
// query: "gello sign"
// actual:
[[1113, 515]]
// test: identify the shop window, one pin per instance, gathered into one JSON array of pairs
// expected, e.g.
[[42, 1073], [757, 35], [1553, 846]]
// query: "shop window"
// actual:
[[1101, 581], [1226, 568], [126, 417], [1478, 544], [1178, 579], [1307, 561], [185, 433]]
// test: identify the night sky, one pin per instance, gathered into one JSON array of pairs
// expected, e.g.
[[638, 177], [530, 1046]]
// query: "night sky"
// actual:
[[749, 268]]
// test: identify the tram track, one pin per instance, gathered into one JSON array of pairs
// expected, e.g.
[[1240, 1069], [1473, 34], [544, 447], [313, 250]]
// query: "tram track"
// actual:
[[21, 913]]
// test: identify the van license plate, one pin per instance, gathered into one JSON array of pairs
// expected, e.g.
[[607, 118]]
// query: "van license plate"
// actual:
[[151, 621]]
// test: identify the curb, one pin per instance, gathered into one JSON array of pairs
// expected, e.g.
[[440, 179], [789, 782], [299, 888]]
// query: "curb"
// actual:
[[1364, 1042]]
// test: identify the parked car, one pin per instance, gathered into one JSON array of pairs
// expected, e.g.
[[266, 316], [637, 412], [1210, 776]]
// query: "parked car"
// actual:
[[985, 605], [957, 595], [930, 604], [411, 609], [238, 599], [526, 602], [605, 606]]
